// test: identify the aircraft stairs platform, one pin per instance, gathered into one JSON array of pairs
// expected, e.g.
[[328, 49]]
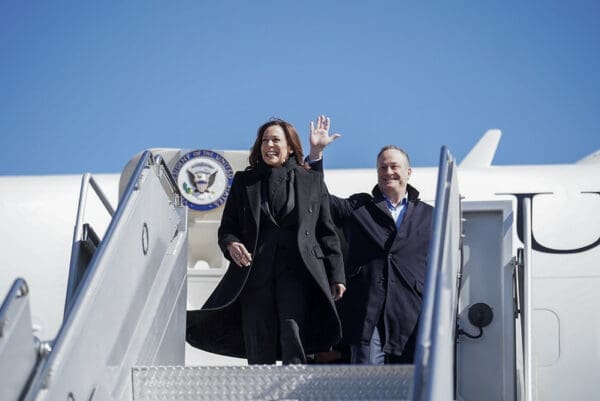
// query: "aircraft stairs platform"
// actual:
[[123, 332], [267, 382]]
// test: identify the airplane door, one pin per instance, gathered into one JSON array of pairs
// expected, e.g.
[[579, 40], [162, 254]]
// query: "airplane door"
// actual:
[[485, 349]]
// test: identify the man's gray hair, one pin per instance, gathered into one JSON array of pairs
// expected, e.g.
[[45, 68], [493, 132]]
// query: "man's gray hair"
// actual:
[[388, 147]]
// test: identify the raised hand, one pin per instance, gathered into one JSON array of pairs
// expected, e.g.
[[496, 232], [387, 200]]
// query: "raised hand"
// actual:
[[319, 137]]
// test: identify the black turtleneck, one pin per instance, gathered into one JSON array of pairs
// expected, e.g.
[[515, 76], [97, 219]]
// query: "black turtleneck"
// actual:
[[280, 186]]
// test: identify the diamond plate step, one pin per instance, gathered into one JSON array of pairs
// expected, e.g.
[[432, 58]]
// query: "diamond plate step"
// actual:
[[270, 382]]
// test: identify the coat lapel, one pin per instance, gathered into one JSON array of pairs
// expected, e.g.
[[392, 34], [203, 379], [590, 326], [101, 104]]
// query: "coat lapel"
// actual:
[[253, 192], [405, 226], [303, 189], [382, 205], [378, 224]]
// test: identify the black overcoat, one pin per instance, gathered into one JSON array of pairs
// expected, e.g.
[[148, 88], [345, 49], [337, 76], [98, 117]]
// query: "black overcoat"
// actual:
[[385, 267], [217, 326]]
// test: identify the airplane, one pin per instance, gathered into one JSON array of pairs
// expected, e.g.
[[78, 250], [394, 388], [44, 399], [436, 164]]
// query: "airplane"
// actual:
[[110, 262]]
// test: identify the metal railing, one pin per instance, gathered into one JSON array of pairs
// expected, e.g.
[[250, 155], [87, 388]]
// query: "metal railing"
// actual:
[[434, 357], [527, 305], [19, 349], [85, 239]]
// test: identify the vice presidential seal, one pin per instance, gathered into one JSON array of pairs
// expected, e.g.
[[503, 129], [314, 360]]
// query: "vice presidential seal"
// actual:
[[204, 179]]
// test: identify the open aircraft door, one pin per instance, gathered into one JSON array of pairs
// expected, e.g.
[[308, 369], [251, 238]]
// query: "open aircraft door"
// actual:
[[486, 348]]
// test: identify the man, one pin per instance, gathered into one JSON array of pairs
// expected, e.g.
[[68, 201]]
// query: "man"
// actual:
[[387, 233]]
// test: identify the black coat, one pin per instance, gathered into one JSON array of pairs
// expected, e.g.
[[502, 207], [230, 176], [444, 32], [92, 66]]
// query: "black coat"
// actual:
[[217, 326], [385, 267]]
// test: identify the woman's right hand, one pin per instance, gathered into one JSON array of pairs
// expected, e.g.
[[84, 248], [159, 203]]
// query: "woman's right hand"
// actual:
[[239, 254], [319, 137]]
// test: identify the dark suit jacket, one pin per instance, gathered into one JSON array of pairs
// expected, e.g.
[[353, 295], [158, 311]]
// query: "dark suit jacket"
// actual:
[[216, 327], [385, 267]]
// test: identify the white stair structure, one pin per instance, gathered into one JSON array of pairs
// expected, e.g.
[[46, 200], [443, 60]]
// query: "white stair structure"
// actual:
[[129, 306], [124, 327]]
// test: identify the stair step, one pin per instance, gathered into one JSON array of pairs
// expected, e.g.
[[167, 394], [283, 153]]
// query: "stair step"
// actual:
[[271, 382]]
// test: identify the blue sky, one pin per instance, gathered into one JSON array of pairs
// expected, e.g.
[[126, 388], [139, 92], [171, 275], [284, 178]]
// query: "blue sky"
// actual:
[[86, 85]]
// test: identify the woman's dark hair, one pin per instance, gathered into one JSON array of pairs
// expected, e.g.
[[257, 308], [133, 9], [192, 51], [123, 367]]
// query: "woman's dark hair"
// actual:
[[291, 136]]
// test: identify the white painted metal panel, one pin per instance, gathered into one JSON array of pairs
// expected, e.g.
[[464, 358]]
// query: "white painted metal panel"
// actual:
[[486, 365], [131, 307]]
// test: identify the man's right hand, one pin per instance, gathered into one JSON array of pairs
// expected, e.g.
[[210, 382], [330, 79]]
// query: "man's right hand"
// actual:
[[319, 137]]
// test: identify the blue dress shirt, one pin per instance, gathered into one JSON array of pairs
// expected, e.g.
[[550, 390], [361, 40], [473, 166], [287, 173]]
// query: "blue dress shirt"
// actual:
[[399, 211]]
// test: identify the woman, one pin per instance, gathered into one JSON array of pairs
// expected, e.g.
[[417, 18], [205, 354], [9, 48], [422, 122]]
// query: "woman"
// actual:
[[276, 299]]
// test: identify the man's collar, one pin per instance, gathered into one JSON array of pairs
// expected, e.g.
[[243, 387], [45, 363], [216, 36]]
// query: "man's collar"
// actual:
[[411, 193], [390, 205]]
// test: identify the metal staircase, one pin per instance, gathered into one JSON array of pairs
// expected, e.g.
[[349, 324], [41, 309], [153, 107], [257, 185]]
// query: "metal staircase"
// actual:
[[123, 333]]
